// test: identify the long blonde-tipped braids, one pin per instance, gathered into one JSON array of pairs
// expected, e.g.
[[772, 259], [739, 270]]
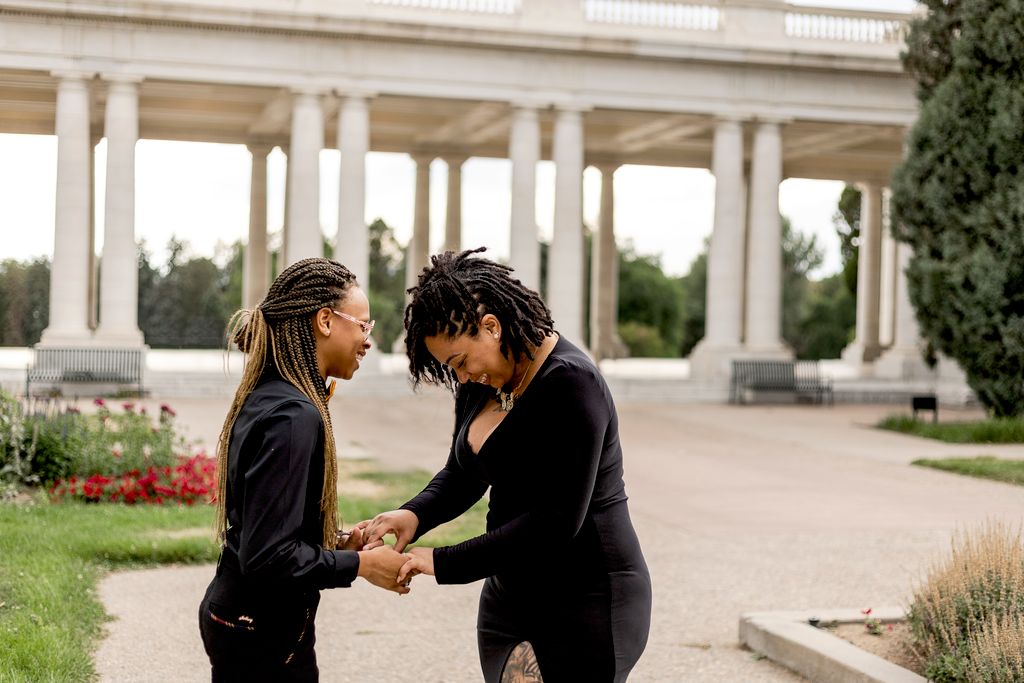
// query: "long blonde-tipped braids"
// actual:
[[280, 332]]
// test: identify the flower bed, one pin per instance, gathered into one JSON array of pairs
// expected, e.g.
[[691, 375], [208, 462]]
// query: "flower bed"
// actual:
[[191, 480]]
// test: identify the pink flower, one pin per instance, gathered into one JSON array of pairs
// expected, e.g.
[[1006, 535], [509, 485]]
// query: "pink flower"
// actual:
[[99, 402], [128, 407]]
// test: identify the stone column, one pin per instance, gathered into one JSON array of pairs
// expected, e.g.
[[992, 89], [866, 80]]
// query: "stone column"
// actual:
[[256, 276], [119, 276], [604, 342], [69, 274], [903, 359], [887, 287], [419, 243], [282, 256], [524, 151], [764, 258], [565, 259], [352, 244], [303, 235], [94, 262], [417, 253], [723, 320], [865, 347], [453, 214]]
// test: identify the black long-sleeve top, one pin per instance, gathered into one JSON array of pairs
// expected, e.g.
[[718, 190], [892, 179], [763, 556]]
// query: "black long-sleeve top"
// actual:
[[273, 555], [554, 466]]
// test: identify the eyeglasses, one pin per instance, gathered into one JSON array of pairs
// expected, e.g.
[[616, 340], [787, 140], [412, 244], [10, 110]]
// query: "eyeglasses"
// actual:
[[367, 326]]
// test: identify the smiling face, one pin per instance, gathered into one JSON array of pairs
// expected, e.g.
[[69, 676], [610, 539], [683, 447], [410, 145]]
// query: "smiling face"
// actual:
[[474, 358], [340, 342]]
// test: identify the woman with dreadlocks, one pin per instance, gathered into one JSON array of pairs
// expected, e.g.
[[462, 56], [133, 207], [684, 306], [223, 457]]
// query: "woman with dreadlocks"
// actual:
[[277, 504], [534, 420]]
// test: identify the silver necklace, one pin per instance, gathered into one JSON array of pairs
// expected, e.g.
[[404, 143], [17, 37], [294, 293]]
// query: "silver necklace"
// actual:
[[506, 401]]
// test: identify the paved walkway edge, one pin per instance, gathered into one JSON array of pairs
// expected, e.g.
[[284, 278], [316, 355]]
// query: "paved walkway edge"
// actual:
[[788, 639]]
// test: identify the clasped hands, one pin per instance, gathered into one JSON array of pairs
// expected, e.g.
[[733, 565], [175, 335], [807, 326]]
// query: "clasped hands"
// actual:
[[383, 565]]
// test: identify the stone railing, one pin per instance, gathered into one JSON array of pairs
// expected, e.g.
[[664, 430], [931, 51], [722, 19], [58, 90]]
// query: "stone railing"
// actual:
[[655, 13], [856, 27], [761, 26], [475, 6]]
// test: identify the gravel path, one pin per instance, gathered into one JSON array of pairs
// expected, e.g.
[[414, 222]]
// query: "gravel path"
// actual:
[[738, 509]]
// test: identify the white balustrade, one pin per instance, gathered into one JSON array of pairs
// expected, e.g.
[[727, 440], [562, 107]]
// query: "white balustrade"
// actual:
[[848, 27], [475, 6], [654, 13]]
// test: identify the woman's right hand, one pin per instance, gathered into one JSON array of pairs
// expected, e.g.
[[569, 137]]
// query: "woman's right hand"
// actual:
[[401, 523], [380, 567]]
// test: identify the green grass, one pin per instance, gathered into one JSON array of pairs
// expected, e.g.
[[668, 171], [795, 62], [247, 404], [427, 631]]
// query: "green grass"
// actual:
[[985, 467], [993, 430], [53, 556], [398, 487]]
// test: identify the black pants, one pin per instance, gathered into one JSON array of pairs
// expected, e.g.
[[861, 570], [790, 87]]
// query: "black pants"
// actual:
[[272, 647], [594, 634]]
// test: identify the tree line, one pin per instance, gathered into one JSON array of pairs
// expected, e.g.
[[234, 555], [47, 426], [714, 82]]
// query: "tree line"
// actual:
[[186, 301]]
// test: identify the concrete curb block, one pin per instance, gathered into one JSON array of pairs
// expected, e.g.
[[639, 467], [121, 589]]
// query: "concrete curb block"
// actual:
[[816, 654]]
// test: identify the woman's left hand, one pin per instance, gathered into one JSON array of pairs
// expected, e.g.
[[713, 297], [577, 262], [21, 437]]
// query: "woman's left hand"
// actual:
[[421, 561]]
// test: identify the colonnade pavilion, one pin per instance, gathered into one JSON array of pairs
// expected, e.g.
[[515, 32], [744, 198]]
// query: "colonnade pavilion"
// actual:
[[757, 91]]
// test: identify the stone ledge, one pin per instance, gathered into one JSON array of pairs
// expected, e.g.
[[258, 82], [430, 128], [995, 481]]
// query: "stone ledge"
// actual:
[[788, 639]]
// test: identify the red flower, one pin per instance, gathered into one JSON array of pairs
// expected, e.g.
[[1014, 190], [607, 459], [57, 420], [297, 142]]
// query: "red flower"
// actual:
[[99, 402]]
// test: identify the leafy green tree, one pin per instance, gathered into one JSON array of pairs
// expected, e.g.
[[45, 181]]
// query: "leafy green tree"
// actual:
[[828, 315], [847, 224], [694, 287], [232, 272], [24, 301], [958, 196], [800, 255], [387, 284], [189, 306], [650, 306]]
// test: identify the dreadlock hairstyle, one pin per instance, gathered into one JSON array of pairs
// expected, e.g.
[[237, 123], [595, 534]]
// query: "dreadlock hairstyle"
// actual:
[[454, 293], [279, 333]]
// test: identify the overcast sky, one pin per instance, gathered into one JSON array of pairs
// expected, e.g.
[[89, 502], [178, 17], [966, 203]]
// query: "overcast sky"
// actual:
[[200, 192]]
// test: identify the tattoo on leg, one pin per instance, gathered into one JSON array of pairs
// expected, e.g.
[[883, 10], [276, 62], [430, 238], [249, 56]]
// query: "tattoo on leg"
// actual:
[[521, 666]]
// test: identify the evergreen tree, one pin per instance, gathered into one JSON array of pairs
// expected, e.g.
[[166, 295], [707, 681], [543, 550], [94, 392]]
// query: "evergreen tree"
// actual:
[[958, 197]]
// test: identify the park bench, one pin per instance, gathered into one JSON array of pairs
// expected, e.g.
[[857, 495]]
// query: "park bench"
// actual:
[[86, 365], [795, 380]]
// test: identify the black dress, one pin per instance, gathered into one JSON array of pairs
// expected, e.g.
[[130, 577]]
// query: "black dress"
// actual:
[[563, 564], [256, 619]]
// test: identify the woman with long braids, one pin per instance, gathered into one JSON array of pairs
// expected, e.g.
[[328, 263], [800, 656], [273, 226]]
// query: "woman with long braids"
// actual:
[[277, 504], [535, 422]]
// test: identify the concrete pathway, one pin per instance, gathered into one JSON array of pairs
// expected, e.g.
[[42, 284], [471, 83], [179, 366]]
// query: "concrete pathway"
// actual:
[[738, 509]]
